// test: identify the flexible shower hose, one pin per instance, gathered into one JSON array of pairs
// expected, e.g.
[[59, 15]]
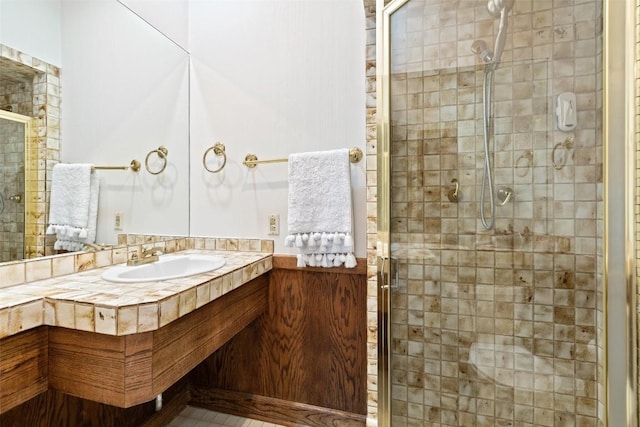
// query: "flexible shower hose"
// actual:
[[487, 173]]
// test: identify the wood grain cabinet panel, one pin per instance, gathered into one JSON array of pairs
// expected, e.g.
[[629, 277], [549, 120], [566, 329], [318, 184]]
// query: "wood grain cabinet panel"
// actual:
[[129, 370], [23, 367]]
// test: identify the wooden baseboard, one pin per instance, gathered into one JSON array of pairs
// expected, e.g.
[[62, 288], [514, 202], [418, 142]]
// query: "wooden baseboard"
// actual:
[[272, 410]]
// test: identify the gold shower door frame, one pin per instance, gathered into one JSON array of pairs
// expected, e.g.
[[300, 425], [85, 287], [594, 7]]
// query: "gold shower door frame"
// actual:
[[619, 368], [31, 190]]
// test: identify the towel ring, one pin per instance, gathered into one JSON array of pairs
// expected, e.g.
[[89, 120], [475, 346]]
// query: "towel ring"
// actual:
[[162, 153], [219, 150], [524, 162], [566, 145]]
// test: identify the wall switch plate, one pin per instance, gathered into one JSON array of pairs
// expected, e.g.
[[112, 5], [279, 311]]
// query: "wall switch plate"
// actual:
[[117, 221], [274, 224]]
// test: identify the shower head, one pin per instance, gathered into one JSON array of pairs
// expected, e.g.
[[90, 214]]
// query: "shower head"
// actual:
[[498, 9], [495, 7]]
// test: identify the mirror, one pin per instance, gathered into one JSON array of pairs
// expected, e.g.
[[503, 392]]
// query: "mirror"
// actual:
[[111, 88]]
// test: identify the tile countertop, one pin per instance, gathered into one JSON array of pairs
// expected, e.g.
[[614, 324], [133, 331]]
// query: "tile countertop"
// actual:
[[84, 301]]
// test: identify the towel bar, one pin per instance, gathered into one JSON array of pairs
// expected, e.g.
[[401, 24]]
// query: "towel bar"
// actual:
[[134, 166], [251, 160]]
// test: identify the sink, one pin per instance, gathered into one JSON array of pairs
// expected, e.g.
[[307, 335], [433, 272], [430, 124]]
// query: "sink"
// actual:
[[167, 267]]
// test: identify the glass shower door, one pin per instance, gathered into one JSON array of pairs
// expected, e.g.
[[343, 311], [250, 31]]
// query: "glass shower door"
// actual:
[[491, 143]]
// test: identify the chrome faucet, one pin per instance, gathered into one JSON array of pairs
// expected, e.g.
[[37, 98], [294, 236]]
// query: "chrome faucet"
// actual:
[[148, 256]]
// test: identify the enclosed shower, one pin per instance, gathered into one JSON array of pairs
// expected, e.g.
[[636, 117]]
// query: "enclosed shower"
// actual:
[[490, 218]]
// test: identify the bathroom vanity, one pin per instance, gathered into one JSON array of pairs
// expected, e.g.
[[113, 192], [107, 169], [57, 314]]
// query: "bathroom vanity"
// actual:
[[122, 344], [259, 338]]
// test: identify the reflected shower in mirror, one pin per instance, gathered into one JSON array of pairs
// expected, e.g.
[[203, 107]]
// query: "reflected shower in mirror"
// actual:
[[15, 130]]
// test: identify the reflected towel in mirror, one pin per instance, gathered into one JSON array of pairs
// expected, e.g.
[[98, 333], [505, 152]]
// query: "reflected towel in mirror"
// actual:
[[73, 208]]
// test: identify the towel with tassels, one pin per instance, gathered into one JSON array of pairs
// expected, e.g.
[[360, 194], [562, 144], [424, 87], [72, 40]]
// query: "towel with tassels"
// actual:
[[320, 209], [73, 208]]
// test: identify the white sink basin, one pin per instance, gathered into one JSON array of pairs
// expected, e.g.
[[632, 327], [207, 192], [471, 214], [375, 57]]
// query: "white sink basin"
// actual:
[[167, 267]]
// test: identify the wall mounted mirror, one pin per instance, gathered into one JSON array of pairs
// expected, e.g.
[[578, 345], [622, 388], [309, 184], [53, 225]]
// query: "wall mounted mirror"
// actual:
[[111, 87]]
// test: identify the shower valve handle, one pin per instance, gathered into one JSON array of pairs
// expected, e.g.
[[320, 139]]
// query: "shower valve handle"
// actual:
[[453, 193], [504, 195]]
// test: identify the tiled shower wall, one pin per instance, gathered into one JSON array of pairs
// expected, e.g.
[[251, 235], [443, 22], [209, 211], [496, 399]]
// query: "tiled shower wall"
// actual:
[[529, 290], [40, 100]]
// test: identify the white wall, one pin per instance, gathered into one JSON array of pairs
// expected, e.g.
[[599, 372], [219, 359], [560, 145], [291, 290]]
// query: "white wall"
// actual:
[[125, 93], [269, 77], [272, 78], [170, 17], [32, 27]]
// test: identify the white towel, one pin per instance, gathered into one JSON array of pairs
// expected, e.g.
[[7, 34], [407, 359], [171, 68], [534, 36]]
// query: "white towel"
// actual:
[[320, 211], [73, 210]]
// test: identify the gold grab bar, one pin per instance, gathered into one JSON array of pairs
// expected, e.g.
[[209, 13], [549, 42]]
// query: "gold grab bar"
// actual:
[[134, 166], [251, 160]]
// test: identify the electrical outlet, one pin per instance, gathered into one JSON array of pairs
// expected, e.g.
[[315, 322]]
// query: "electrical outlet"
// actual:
[[274, 224], [117, 221]]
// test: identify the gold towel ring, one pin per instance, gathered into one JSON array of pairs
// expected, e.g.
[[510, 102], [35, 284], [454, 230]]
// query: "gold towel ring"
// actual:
[[219, 150], [527, 157], [567, 145], [162, 153]]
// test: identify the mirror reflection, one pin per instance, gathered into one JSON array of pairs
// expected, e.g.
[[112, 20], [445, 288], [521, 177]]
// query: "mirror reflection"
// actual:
[[14, 131], [103, 87]]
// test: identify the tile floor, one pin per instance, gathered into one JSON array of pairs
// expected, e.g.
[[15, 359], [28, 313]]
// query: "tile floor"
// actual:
[[197, 417]]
